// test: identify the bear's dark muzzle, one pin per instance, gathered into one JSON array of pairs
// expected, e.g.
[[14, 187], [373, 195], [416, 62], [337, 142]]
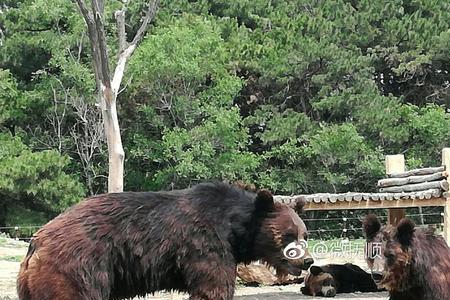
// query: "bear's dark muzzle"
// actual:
[[308, 262]]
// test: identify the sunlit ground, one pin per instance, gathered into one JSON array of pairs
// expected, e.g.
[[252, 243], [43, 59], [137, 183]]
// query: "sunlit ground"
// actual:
[[12, 252]]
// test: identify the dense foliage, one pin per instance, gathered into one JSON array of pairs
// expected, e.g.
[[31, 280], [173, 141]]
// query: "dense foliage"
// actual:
[[297, 96]]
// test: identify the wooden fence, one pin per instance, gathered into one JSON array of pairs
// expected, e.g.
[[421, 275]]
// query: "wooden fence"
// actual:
[[401, 189]]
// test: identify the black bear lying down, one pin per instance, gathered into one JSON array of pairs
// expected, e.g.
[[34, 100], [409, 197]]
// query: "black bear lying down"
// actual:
[[331, 279], [121, 245]]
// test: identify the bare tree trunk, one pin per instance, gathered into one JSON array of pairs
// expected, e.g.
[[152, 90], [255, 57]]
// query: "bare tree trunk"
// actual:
[[109, 89], [116, 154]]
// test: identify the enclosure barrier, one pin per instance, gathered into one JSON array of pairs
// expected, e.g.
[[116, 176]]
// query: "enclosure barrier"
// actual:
[[401, 189]]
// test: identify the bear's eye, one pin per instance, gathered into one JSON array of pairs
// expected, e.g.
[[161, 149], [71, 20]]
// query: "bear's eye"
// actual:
[[390, 258], [388, 255], [326, 282]]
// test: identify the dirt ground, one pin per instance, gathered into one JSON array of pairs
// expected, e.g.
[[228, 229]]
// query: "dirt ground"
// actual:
[[11, 253]]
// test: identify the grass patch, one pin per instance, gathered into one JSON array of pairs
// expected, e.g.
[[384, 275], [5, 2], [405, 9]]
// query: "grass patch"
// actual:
[[3, 239], [12, 258], [7, 242]]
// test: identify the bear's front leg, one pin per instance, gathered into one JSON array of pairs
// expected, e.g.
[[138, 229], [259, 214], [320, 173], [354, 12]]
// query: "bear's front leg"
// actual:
[[210, 279]]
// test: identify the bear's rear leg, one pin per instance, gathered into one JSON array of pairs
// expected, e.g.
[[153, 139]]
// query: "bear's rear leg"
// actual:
[[44, 283]]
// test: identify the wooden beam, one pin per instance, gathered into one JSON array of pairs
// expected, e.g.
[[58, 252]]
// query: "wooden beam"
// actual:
[[395, 215], [395, 164], [388, 182], [446, 163], [443, 184], [415, 172], [371, 204], [356, 197]]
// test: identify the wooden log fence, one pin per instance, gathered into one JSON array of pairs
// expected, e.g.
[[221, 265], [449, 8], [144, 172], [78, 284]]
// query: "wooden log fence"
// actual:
[[443, 184], [401, 189], [388, 182], [361, 197], [416, 172]]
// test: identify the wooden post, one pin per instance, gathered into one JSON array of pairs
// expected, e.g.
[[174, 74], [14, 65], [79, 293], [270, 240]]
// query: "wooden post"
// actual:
[[446, 163], [395, 164]]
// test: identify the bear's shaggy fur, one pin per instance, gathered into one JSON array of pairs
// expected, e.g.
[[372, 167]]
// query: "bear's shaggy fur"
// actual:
[[329, 280], [415, 263], [121, 245]]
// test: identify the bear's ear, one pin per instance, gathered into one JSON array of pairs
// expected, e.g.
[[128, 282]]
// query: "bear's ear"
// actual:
[[315, 270], [264, 200], [299, 204], [405, 231], [371, 226]]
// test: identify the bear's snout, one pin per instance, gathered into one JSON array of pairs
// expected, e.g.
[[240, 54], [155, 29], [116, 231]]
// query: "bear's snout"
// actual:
[[331, 292], [295, 267], [308, 262], [377, 277]]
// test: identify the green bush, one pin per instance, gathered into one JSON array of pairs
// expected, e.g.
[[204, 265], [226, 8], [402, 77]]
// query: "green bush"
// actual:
[[34, 180]]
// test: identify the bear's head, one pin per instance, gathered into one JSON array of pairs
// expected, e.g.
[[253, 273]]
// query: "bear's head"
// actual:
[[281, 240], [388, 252], [319, 283]]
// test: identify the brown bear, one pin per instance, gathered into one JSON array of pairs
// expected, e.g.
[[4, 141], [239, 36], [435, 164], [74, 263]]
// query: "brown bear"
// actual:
[[329, 280], [414, 263], [121, 245]]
